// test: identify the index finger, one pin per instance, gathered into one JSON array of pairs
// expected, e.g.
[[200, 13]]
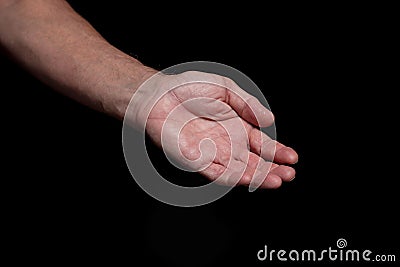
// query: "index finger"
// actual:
[[247, 106]]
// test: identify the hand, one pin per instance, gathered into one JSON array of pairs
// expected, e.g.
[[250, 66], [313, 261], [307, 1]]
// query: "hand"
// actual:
[[214, 130]]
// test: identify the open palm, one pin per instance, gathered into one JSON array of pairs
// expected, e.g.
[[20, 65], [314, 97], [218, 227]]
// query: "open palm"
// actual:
[[213, 129]]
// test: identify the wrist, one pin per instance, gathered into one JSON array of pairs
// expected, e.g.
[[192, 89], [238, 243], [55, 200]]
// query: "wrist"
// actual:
[[116, 103]]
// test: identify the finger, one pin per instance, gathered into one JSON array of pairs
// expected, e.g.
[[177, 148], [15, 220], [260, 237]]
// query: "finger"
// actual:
[[231, 175], [261, 174], [270, 180], [228, 175], [237, 173], [216, 109], [269, 149], [247, 106], [258, 173], [263, 178], [286, 173], [254, 163]]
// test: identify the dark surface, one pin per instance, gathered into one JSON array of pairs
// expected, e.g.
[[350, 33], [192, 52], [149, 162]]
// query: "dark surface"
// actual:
[[330, 83]]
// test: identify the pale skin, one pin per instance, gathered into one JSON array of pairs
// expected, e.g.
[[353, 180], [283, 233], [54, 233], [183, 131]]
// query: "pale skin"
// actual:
[[63, 50]]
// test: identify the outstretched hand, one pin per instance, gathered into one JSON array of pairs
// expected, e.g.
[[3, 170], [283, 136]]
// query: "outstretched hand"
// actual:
[[212, 126]]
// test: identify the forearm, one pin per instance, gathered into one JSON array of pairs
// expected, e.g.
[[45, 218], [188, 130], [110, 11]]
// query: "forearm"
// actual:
[[64, 51]]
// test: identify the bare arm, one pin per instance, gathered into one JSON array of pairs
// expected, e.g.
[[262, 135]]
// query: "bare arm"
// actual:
[[63, 50]]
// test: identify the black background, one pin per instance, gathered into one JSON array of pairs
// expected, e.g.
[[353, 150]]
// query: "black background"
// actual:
[[329, 77]]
